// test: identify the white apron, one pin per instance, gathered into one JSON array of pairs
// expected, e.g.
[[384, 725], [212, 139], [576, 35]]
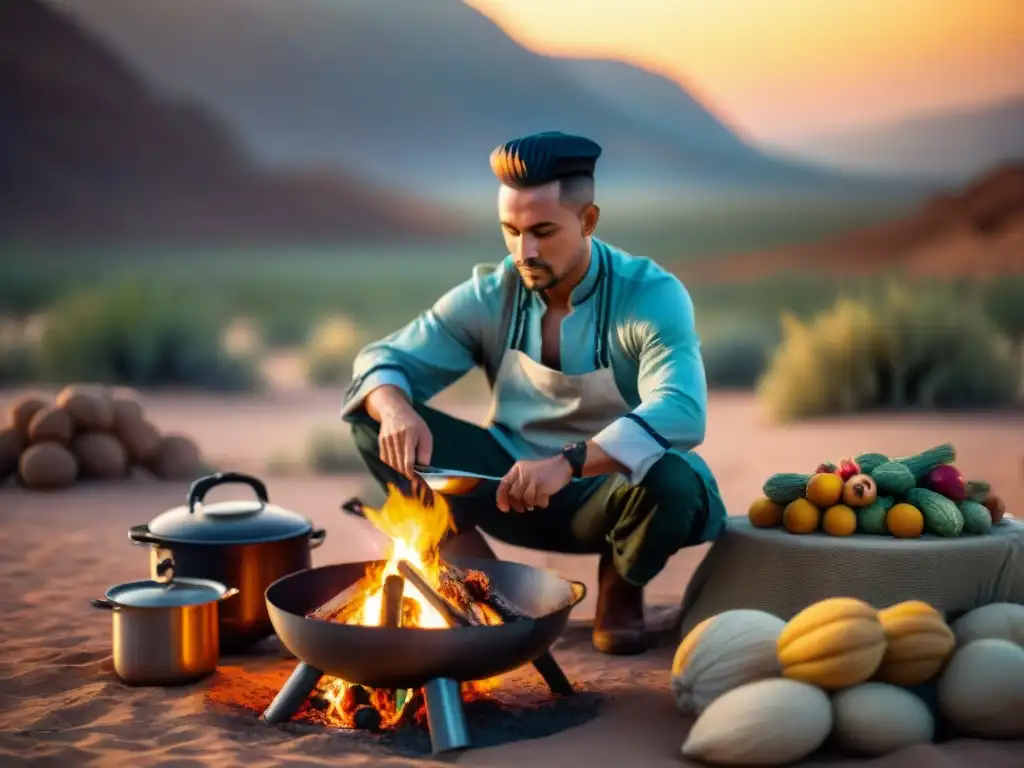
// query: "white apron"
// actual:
[[545, 408], [538, 409]]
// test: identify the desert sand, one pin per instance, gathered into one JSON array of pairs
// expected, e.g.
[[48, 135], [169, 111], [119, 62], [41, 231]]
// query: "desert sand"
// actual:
[[60, 703]]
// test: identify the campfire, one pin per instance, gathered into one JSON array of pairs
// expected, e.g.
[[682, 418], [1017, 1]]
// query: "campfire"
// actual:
[[404, 592], [458, 641]]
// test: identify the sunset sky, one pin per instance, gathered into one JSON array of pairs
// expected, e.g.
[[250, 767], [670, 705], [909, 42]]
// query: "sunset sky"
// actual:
[[777, 69]]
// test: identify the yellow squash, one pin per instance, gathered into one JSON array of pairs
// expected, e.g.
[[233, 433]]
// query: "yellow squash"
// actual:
[[834, 643], [918, 643]]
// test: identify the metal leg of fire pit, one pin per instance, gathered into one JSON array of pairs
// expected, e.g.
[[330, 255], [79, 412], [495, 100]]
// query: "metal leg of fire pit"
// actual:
[[292, 694], [445, 718]]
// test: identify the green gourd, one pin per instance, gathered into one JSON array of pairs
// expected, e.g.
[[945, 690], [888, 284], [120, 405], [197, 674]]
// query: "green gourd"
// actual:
[[926, 461], [871, 519], [869, 461], [893, 478], [942, 517], [977, 519], [784, 487]]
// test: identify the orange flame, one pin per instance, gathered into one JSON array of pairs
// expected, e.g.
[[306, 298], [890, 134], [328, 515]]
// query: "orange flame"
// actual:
[[415, 530]]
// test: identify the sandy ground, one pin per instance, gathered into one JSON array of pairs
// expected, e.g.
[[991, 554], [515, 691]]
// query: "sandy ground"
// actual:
[[61, 705]]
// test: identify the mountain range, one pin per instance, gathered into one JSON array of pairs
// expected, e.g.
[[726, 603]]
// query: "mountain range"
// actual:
[[973, 232], [89, 150], [948, 146], [416, 93]]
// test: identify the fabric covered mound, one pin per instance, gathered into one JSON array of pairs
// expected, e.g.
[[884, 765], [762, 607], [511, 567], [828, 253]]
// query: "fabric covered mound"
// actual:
[[772, 570]]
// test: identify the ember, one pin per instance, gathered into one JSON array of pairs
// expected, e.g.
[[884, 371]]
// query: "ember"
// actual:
[[404, 593]]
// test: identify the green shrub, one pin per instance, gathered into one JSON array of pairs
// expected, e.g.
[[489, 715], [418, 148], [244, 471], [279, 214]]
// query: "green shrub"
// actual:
[[332, 346], [18, 363], [332, 452], [138, 335], [910, 349], [735, 357]]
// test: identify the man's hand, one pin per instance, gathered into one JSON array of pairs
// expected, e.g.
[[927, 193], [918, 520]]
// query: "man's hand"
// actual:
[[404, 437], [531, 484]]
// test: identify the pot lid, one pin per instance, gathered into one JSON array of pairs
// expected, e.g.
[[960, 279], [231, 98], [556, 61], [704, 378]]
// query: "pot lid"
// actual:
[[171, 594], [242, 521]]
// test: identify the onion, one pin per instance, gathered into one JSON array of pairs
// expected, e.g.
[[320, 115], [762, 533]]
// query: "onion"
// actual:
[[948, 481]]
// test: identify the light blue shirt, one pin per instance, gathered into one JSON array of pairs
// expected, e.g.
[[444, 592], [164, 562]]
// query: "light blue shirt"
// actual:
[[627, 312]]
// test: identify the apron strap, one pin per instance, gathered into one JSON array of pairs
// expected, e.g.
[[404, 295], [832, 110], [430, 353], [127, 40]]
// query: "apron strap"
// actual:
[[522, 317], [602, 351]]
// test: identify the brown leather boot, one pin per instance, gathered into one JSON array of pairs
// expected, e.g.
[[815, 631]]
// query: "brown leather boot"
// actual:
[[619, 623]]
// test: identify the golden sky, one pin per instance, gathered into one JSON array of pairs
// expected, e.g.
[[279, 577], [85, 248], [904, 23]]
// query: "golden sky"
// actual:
[[780, 68]]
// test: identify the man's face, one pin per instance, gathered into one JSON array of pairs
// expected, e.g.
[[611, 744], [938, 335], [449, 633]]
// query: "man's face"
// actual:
[[545, 237]]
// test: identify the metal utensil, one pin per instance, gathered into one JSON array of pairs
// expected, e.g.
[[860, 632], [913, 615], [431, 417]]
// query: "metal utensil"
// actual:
[[453, 482], [165, 633]]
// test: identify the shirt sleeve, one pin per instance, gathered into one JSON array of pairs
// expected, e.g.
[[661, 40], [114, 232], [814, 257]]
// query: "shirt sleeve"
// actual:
[[671, 382], [426, 356]]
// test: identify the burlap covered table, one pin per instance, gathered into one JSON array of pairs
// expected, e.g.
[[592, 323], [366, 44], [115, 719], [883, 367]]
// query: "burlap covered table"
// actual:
[[782, 573]]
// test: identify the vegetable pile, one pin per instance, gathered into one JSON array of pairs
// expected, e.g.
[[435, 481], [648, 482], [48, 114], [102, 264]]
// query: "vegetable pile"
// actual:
[[764, 691], [88, 432], [876, 494]]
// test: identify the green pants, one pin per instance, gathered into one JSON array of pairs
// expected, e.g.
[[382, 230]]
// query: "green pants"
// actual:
[[642, 525]]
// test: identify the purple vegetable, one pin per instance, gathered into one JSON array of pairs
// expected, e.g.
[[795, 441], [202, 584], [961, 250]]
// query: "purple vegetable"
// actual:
[[948, 481]]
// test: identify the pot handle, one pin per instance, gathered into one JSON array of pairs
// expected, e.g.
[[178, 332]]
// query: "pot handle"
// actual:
[[579, 591], [102, 603], [164, 570], [316, 538], [139, 534], [197, 492]]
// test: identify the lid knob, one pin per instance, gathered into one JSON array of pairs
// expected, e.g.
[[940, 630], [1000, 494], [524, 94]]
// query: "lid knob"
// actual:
[[198, 490]]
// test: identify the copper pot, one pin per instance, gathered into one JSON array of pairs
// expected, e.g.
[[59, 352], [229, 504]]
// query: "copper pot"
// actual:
[[165, 632], [247, 544]]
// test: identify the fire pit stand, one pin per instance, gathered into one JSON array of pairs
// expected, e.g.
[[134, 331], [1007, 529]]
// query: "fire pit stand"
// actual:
[[441, 661], [296, 690], [442, 696]]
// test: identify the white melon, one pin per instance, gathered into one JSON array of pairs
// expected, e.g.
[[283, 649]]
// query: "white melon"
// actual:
[[724, 652], [770, 722]]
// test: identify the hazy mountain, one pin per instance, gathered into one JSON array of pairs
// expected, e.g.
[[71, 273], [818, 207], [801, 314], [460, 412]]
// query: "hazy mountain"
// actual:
[[976, 231], [417, 92], [952, 146], [87, 149]]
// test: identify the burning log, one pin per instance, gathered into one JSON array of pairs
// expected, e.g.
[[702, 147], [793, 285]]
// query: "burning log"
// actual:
[[367, 718], [478, 585], [391, 604], [355, 696], [390, 618], [479, 589], [411, 612], [343, 605], [453, 588], [453, 616]]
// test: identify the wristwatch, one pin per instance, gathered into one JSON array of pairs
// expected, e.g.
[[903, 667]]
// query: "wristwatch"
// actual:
[[576, 455]]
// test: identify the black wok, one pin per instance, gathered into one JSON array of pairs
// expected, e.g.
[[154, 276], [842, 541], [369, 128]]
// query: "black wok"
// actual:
[[409, 658]]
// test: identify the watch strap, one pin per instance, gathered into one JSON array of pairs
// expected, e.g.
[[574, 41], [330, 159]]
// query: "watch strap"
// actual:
[[576, 455]]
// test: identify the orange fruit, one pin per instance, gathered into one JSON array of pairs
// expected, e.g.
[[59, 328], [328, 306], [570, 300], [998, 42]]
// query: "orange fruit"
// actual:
[[825, 489], [905, 521], [839, 520], [801, 516], [765, 513]]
